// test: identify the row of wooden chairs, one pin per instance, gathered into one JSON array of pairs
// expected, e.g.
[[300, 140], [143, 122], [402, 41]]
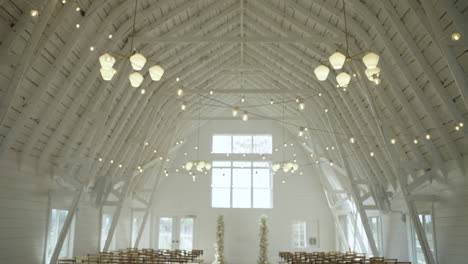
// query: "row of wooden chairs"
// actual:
[[139, 256], [334, 258]]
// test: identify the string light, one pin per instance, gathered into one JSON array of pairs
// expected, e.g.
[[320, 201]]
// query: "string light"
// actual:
[[34, 13], [211, 92], [301, 104], [393, 141], [428, 136], [242, 99], [183, 106], [415, 141], [100, 159], [245, 116], [143, 91], [461, 124], [177, 79], [180, 92], [77, 25], [91, 48], [457, 128], [352, 140], [112, 161], [64, 1], [456, 36], [78, 9], [301, 132], [110, 36], [331, 163], [120, 165], [326, 110], [271, 101], [235, 111], [372, 154]]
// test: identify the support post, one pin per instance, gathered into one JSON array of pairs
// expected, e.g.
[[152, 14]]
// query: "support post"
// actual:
[[421, 234], [148, 209], [66, 225], [116, 216], [357, 202]]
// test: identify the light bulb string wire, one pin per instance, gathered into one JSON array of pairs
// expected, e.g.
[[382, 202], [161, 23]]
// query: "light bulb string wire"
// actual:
[[311, 128]]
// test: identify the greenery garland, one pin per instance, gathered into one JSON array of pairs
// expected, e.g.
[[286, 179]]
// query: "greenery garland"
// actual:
[[263, 254], [219, 255]]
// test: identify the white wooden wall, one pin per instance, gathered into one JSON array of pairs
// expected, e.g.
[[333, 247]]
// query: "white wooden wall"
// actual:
[[23, 215]]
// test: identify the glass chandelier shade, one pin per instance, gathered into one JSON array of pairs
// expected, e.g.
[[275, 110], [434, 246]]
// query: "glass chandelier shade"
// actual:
[[106, 61], [343, 79], [372, 73], [107, 73], [156, 72], [321, 72], [138, 61], [337, 60], [136, 79], [371, 60]]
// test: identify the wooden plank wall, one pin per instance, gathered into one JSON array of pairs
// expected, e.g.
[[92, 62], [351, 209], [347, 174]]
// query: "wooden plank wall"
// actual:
[[23, 215]]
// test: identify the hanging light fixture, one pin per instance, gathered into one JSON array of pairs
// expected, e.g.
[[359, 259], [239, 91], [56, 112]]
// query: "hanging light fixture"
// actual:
[[180, 92], [301, 104], [156, 72], [371, 74], [371, 60], [183, 106], [337, 60], [136, 79], [107, 73], [34, 13], [245, 116], [235, 111], [137, 61], [301, 132], [321, 72], [343, 79], [106, 61]]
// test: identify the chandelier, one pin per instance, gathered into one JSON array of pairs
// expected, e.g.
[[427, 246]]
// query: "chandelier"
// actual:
[[286, 167], [137, 61], [338, 59]]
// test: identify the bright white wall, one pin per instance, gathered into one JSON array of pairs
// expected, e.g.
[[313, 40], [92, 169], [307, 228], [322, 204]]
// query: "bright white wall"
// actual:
[[300, 198]]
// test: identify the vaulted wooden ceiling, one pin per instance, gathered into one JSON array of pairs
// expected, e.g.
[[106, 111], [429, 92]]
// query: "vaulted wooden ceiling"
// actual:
[[58, 114]]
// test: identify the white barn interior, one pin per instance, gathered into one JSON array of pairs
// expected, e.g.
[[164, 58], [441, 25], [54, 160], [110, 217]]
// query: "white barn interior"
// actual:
[[354, 156]]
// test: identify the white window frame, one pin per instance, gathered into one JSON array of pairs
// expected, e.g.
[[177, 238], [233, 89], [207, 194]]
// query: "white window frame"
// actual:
[[252, 188], [299, 241], [246, 135], [70, 236]]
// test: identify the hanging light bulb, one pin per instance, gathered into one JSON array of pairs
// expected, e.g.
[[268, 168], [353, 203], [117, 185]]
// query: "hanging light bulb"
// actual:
[[301, 132], [138, 61], [271, 101], [415, 141], [235, 111], [107, 73], [456, 36], [461, 124], [377, 80], [331, 163], [242, 99], [183, 106], [337, 60], [393, 141], [34, 13], [352, 140], [136, 79], [211, 92], [372, 154], [321, 72], [156, 72], [143, 91], [245, 116], [428, 136], [106, 61], [457, 128], [371, 60], [343, 79], [180, 92], [301, 105]]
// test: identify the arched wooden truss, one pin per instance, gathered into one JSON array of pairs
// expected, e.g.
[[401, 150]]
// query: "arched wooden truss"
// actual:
[[58, 114]]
